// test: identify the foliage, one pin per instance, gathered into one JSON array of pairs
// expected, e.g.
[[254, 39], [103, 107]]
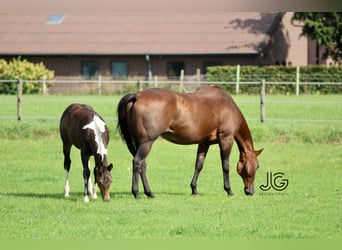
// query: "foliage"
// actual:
[[319, 74], [22, 69], [325, 28]]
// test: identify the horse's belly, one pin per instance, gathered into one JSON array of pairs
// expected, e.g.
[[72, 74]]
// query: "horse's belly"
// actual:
[[187, 139]]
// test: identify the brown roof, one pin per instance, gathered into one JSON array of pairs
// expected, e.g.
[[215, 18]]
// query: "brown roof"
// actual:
[[136, 33]]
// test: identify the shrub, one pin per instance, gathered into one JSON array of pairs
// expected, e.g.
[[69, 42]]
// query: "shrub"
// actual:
[[22, 69]]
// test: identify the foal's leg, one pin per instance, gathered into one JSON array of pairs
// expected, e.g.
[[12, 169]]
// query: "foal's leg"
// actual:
[[67, 163], [91, 189], [139, 168], [86, 175], [201, 154], [226, 143]]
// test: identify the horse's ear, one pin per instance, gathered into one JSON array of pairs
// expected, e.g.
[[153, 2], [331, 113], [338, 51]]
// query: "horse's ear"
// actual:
[[110, 167], [258, 152]]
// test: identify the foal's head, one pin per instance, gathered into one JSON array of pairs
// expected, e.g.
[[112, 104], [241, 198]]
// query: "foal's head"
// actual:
[[103, 179], [247, 167]]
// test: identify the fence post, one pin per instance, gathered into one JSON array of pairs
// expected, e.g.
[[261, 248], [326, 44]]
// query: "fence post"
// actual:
[[44, 85], [297, 80], [99, 85], [198, 77], [156, 81], [237, 79], [19, 99], [139, 86], [181, 80], [262, 100]]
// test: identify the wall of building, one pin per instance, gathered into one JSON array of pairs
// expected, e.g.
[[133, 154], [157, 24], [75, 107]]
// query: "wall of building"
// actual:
[[70, 67], [287, 46]]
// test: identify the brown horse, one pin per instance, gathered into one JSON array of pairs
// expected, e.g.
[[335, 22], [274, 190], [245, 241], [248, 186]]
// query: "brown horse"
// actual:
[[206, 117], [82, 127]]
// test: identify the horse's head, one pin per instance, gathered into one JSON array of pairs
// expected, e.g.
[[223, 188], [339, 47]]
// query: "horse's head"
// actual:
[[247, 167], [103, 179]]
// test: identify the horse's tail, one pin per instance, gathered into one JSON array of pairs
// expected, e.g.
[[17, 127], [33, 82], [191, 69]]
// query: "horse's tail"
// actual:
[[123, 117]]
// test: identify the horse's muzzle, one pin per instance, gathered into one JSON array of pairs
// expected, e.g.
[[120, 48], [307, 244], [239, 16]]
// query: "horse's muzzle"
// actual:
[[249, 191], [106, 198]]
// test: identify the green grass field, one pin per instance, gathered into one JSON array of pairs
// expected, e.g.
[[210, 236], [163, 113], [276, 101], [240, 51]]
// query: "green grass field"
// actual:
[[32, 203]]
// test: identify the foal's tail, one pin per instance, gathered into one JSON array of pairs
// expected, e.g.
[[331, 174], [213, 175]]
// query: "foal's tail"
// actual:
[[124, 123]]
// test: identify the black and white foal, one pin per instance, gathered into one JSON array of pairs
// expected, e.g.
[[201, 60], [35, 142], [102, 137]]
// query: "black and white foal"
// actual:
[[82, 127]]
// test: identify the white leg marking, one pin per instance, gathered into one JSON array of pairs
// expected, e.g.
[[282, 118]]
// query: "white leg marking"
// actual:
[[90, 187], [66, 186], [86, 199], [94, 191]]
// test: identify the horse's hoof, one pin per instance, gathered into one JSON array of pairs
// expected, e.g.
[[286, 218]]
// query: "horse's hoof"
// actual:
[[230, 193], [149, 194]]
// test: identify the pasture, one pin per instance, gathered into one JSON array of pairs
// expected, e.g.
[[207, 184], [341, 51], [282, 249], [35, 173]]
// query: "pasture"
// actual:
[[32, 203]]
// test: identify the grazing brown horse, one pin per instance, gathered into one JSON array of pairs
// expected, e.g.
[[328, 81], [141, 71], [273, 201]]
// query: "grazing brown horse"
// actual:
[[206, 117], [82, 127]]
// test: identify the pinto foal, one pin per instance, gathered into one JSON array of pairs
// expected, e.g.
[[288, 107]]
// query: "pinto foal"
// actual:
[[82, 127]]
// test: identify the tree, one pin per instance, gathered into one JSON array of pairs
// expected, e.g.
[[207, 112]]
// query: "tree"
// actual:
[[325, 28]]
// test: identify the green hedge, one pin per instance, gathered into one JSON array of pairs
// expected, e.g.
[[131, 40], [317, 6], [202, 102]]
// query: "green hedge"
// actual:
[[320, 74]]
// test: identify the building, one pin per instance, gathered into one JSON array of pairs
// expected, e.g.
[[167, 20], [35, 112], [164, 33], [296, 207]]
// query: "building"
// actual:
[[140, 45]]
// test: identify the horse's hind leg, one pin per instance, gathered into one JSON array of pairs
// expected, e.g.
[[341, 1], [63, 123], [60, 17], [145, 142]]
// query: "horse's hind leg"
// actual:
[[143, 176], [139, 168], [67, 163], [201, 154]]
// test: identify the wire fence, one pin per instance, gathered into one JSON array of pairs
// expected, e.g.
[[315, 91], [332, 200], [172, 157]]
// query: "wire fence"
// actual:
[[99, 88]]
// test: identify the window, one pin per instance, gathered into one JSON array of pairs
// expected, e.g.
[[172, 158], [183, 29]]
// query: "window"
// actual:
[[55, 19], [174, 69], [119, 70], [90, 69]]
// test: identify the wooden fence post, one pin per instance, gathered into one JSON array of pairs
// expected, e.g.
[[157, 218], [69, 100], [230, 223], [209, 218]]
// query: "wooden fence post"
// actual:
[[198, 78], [139, 86], [99, 85], [181, 80], [237, 87], [44, 85], [297, 80], [262, 100], [19, 99], [156, 81]]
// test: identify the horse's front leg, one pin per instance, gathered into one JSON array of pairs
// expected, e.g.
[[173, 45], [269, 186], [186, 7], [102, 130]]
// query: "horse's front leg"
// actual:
[[201, 154], [86, 176], [226, 144]]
